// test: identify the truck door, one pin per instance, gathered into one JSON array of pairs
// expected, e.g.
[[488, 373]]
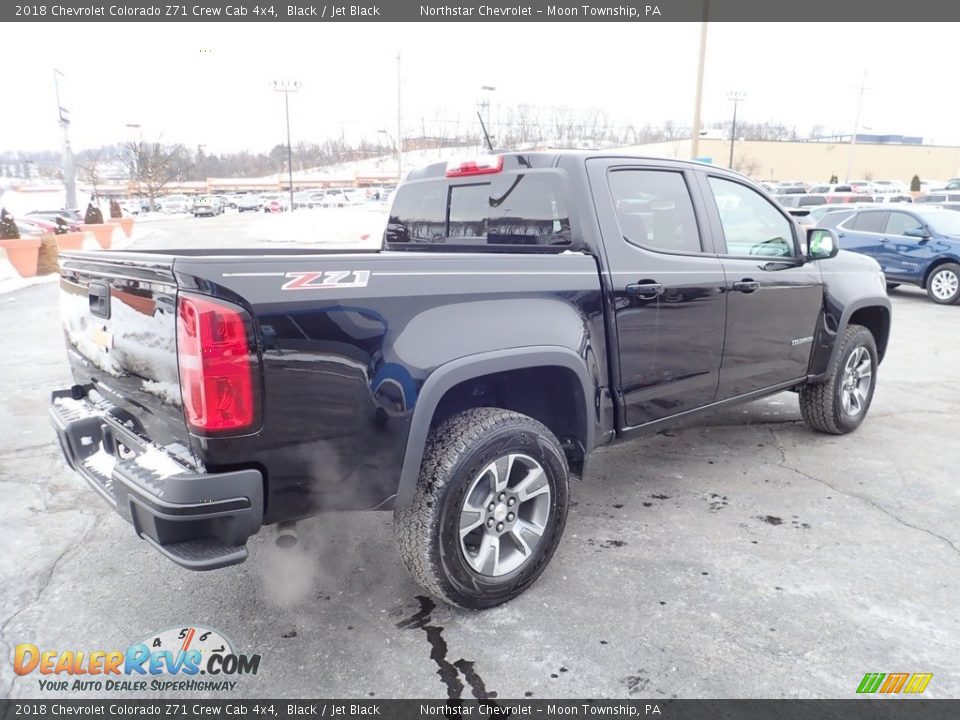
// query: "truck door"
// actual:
[[774, 297], [667, 288]]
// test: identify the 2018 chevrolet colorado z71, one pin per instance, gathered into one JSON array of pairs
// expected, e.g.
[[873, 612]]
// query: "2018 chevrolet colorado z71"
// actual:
[[524, 310]]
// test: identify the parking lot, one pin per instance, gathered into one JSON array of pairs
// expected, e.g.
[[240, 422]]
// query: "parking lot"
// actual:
[[738, 556]]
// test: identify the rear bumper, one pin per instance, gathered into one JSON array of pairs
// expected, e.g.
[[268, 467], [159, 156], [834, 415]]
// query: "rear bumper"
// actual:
[[201, 521]]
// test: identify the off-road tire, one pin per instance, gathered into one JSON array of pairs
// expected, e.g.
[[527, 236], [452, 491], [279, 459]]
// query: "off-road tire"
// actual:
[[820, 403], [952, 268], [427, 530]]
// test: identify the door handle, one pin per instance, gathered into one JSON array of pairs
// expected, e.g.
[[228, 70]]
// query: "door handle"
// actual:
[[746, 286], [884, 240], [645, 290]]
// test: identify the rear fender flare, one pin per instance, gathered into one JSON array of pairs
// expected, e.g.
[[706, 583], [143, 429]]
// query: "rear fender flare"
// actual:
[[445, 377]]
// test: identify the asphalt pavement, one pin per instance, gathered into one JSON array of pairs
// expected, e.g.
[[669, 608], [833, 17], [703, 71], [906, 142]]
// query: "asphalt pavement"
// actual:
[[742, 555]]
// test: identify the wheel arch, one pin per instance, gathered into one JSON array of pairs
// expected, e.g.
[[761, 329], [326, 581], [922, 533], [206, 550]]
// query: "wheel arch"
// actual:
[[873, 313], [460, 384], [944, 260]]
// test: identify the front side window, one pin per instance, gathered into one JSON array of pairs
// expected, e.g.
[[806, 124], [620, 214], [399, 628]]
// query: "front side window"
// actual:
[[654, 210], [751, 225], [898, 223]]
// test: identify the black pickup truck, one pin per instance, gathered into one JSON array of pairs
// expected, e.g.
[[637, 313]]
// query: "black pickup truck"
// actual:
[[524, 310]]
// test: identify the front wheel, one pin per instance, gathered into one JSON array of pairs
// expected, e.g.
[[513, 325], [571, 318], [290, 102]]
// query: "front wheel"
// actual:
[[838, 405], [489, 509], [943, 285]]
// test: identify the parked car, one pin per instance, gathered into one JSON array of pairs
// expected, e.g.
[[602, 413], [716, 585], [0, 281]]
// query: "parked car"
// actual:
[[208, 206], [334, 197], [34, 226], [862, 187], [303, 200], [949, 200], [275, 202], [797, 201], [463, 373], [249, 202], [952, 184], [915, 245], [891, 186], [176, 204], [72, 217], [835, 193], [829, 216], [888, 198]]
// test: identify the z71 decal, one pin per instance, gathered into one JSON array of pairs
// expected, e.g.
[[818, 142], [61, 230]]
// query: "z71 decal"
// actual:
[[320, 280]]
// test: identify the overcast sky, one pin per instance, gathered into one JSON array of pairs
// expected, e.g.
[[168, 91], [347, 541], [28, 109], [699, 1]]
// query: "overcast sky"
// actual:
[[209, 83]]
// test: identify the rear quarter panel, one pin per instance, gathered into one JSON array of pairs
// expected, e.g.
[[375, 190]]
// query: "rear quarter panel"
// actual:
[[343, 366]]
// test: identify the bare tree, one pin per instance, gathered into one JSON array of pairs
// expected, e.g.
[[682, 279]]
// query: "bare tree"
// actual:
[[153, 166], [90, 165]]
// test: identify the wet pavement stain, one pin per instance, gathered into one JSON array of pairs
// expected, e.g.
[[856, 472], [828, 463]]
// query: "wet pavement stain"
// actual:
[[449, 672], [771, 519], [637, 683], [718, 502]]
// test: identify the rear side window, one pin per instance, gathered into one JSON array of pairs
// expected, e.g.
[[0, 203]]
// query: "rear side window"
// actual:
[[512, 209], [654, 210], [872, 222]]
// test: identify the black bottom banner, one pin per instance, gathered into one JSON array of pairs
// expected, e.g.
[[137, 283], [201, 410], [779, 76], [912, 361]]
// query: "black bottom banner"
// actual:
[[865, 709]]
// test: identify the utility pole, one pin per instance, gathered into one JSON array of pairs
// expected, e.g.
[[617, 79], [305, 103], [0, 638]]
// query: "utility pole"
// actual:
[[856, 126], [695, 128], [69, 175], [737, 98], [287, 87], [399, 120]]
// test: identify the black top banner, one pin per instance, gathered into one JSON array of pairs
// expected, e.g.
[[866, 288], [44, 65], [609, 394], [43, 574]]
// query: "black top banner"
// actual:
[[492, 11]]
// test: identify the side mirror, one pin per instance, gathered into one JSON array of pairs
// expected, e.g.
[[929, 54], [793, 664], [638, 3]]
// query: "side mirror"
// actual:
[[822, 244], [917, 233]]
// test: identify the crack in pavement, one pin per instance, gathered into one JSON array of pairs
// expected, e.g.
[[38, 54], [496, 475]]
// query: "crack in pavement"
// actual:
[[71, 548], [783, 464]]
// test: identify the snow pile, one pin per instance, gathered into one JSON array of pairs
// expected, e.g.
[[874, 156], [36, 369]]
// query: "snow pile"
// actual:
[[348, 227], [157, 462]]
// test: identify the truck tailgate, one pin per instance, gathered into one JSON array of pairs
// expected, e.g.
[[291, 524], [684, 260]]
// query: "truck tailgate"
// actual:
[[119, 321]]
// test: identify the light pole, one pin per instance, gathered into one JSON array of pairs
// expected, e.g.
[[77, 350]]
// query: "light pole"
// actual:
[[698, 97], [485, 105], [395, 146], [135, 151], [736, 98], [287, 87], [69, 175], [856, 126], [399, 121]]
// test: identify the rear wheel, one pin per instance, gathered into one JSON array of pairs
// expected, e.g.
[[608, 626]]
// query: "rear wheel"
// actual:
[[943, 285], [838, 405], [489, 509]]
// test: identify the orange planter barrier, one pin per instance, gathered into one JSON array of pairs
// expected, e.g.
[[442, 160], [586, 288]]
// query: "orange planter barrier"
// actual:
[[103, 233], [23, 254], [70, 241], [126, 224]]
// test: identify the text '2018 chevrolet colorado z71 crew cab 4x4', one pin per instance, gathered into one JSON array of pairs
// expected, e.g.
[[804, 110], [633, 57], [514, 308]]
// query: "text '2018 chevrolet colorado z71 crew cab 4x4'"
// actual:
[[524, 310]]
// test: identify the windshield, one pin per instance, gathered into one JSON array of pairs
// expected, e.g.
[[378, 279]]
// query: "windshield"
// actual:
[[946, 222]]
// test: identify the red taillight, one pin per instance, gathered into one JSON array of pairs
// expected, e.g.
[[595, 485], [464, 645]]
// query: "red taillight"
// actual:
[[486, 165], [216, 364]]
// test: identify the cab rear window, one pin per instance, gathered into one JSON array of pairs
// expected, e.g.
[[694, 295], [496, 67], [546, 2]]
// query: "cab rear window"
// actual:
[[523, 210]]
